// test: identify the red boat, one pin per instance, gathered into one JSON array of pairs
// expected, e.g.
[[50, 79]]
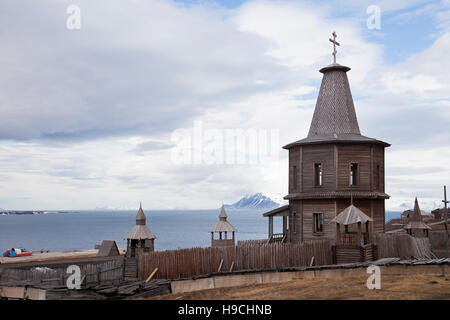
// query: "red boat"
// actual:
[[17, 252]]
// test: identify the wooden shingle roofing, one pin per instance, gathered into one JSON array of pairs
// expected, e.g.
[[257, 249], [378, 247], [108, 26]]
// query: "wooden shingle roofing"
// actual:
[[223, 225], [415, 220], [140, 231], [338, 194], [334, 119], [351, 215]]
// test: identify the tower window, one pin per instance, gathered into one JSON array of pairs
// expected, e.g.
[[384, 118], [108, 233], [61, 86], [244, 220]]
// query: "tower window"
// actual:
[[353, 174], [318, 174], [318, 222]]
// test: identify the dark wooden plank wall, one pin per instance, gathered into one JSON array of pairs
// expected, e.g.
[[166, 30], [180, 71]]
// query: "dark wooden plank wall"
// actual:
[[294, 161], [324, 154], [327, 207], [355, 254], [354, 153], [368, 157], [295, 233], [347, 255], [378, 215], [378, 160]]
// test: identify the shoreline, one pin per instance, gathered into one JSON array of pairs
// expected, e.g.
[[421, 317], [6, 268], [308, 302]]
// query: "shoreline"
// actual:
[[53, 256]]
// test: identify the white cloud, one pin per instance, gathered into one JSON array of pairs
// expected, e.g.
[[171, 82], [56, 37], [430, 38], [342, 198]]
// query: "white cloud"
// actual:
[[96, 107]]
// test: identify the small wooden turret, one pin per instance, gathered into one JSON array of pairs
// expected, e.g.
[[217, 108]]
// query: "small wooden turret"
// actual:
[[416, 227], [223, 226], [140, 238]]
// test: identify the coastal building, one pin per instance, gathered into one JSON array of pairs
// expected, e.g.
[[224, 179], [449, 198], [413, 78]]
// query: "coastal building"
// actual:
[[333, 167], [140, 238], [415, 226], [439, 213], [408, 213], [223, 228]]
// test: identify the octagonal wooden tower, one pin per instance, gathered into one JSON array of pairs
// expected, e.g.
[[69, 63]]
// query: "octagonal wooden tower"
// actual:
[[333, 167]]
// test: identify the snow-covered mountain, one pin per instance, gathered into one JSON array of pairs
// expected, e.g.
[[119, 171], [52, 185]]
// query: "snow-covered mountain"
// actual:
[[256, 201]]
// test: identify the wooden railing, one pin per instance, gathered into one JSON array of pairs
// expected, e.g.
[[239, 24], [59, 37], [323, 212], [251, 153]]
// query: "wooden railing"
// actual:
[[349, 239], [278, 237]]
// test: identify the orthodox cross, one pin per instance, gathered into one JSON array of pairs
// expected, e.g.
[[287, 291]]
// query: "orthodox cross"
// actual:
[[335, 43]]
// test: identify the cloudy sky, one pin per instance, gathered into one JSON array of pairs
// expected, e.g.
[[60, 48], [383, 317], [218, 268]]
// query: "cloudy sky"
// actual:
[[94, 114]]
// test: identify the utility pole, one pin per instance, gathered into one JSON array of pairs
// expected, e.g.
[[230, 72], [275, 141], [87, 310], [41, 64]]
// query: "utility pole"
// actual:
[[445, 217]]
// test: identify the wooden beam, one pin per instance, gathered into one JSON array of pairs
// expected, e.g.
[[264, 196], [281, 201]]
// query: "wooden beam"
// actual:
[[151, 275]]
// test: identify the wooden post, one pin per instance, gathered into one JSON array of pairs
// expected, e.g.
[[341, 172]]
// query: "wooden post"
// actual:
[[338, 234], [284, 225], [270, 226], [445, 217], [358, 238]]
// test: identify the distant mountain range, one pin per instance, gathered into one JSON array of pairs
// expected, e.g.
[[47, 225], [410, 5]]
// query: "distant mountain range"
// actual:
[[256, 201]]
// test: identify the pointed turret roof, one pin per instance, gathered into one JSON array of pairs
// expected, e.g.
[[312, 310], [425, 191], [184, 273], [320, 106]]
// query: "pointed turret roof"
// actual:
[[415, 221], [140, 217], [223, 225], [140, 231], [334, 118], [223, 215], [334, 112]]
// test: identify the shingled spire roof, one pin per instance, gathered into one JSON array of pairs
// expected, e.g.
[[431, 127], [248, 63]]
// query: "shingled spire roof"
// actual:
[[334, 112], [140, 217], [223, 225], [334, 118], [140, 231], [415, 222]]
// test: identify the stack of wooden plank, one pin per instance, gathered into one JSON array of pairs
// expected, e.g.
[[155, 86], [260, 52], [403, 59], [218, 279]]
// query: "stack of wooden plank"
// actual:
[[124, 290]]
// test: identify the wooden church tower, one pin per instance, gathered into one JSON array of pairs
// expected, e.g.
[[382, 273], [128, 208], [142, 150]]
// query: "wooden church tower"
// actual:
[[333, 167]]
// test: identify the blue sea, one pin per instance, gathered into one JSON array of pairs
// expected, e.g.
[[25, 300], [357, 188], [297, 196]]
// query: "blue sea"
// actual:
[[76, 230]]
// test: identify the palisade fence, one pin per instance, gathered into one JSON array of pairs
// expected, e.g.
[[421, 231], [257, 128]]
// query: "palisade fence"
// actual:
[[402, 246], [186, 263]]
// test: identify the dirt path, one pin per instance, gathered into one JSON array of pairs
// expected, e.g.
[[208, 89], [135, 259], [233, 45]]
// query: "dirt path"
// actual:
[[392, 287]]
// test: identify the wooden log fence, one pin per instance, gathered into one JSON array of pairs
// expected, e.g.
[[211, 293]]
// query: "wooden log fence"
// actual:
[[186, 263]]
